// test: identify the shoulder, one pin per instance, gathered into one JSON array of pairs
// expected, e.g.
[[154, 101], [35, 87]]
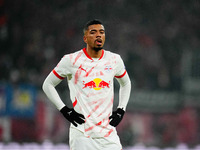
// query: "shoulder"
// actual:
[[72, 56], [111, 55]]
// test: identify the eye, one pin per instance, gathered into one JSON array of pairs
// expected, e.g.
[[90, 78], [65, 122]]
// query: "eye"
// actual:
[[92, 32]]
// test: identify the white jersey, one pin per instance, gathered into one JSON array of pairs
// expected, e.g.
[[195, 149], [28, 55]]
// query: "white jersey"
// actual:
[[91, 88]]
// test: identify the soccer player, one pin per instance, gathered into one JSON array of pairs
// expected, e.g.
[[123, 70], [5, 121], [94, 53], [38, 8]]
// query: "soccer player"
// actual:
[[90, 73]]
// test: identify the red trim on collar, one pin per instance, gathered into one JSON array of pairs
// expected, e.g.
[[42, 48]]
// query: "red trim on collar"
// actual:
[[101, 54], [84, 50]]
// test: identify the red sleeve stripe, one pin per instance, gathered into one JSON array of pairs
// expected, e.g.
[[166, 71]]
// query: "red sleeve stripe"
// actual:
[[121, 75], [57, 75]]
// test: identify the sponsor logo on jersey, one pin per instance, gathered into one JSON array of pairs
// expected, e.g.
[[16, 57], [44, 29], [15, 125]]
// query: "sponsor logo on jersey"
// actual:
[[96, 84]]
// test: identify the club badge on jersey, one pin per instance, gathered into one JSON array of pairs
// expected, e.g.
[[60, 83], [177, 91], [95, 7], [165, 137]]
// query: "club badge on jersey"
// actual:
[[108, 69]]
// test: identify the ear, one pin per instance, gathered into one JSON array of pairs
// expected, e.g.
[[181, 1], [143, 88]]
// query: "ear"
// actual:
[[85, 39]]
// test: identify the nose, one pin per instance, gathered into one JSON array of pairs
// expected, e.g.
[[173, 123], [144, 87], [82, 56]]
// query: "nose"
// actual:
[[98, 35]]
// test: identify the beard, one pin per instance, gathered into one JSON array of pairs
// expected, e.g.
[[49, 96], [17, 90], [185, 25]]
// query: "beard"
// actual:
[[97, 48]]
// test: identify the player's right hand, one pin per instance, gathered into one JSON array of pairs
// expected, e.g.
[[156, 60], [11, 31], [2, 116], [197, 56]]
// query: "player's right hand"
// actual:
[[72, 116]]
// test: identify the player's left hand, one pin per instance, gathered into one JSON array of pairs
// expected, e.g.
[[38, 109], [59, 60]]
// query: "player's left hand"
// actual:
[[72, 116], [116, 117]]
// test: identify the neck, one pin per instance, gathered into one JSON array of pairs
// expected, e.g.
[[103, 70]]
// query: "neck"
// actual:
[[94, 54]]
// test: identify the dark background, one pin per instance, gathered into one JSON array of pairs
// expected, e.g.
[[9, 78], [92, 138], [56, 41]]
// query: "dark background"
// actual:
[[159, 42]]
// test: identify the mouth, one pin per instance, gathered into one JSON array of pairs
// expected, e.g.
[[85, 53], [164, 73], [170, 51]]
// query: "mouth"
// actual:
[[98, 41]]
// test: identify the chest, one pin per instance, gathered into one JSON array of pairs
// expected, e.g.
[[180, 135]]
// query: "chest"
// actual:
[[93, 72]]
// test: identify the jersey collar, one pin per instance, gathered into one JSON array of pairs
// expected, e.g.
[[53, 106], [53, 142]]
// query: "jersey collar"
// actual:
[[88, 56]]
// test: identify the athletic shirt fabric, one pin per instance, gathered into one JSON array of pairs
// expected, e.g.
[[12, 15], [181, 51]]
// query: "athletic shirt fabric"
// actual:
[[90, 83]]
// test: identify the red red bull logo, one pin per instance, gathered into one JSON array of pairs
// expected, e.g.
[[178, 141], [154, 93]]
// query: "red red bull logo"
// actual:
[[96, 84]]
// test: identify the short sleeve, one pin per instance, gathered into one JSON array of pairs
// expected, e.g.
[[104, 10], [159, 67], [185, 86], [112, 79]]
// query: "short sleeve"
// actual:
[[63, 68], [120, 68]]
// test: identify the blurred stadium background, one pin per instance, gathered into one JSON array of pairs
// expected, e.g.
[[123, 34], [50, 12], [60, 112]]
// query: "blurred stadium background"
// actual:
[[158, 40]]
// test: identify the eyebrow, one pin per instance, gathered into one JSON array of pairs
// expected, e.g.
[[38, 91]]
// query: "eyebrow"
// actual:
[[96, 30]]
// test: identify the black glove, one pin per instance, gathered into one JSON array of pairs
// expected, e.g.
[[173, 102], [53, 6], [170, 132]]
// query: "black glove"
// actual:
[[72, 116], [116, 117]]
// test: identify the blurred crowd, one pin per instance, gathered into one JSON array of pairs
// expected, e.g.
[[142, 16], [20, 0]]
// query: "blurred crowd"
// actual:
[[151, 129], [150, 35]]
